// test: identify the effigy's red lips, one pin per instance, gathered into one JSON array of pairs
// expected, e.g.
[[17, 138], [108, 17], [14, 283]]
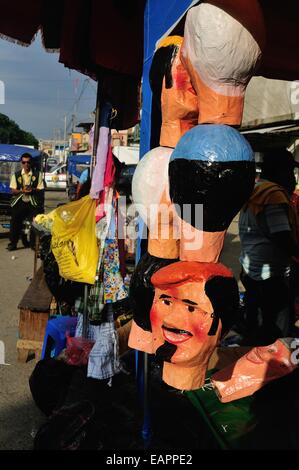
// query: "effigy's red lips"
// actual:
[[176, 336]]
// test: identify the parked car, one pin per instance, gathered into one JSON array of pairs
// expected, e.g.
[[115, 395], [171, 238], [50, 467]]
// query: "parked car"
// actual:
[[50, 163], [56, 179]]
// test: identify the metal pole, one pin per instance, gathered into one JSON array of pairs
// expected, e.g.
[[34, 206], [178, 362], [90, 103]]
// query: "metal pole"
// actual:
[[85, 312], [54, 142], [92, 163], [64, 140], [146, 428], [96, 133]]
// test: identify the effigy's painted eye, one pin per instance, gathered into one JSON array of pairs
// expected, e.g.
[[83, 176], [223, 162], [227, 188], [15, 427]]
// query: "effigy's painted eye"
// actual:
[[166, 302], [190, 308]]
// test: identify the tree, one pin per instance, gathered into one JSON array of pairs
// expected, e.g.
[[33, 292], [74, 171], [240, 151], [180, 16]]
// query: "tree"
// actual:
[[10, 133]]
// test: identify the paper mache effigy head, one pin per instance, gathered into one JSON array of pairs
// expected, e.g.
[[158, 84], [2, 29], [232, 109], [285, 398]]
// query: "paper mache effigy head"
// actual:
[[222, 48], [182, 319], [211, 176], [202, 77], [195, 191], [255, 369], [175, 104]]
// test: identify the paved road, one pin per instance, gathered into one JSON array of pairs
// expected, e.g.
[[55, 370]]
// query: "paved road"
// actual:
[[19, 417]]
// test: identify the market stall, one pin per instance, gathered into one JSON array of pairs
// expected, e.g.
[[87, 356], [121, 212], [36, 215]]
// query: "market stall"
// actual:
[[190, 116]]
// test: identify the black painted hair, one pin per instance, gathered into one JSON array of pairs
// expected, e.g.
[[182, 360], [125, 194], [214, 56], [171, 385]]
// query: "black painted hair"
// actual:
[[160, 68], [223, 293], [141, 289]]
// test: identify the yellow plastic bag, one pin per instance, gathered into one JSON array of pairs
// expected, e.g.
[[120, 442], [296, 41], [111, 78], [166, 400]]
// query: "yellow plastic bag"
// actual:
[[74, 242], [45, 221]]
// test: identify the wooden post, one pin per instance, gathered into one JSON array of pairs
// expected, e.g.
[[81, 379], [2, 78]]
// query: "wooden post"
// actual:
[[36, 253], [32, 326]]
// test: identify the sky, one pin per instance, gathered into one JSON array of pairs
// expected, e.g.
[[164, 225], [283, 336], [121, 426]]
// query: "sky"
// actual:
[[39, 91]]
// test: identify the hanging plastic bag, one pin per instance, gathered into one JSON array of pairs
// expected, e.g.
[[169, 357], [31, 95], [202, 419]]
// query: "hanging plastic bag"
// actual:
[[44, 222], [78, 350], [74, 242]]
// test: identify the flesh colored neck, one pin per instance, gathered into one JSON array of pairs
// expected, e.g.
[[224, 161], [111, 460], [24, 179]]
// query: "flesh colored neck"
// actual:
[[184, 378]]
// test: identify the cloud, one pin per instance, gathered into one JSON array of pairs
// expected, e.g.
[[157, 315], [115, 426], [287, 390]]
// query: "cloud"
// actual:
[[39, 90]]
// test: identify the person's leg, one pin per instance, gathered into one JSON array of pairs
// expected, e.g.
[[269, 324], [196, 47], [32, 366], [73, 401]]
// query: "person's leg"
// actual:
[[251, 304], [32, 235], [28, 216], [275, 309], [17, 217]]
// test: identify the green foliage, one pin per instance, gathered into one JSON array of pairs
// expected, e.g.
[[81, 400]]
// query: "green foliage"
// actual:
[[10, 133]]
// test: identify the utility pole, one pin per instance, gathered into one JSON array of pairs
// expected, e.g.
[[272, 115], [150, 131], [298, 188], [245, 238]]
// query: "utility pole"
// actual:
[[64, 140], [59, 142], [54, 142], [73, 122]]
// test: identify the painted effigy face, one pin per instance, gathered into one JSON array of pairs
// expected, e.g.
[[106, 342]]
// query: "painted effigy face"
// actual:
[[270, 359], [182, 316], [172, 88], [255, 369], [193, 303], [180, 311]]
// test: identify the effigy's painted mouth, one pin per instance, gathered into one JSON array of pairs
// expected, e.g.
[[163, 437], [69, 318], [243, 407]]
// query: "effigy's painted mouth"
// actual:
[[175, 335]]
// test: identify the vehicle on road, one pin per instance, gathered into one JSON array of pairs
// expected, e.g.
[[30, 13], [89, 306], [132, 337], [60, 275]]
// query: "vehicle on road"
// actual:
[[50, 162], [56, 178]]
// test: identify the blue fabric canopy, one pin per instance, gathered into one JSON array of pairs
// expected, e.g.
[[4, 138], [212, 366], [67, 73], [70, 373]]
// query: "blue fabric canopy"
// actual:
[[74, 160], [13, 153], [79, 159]]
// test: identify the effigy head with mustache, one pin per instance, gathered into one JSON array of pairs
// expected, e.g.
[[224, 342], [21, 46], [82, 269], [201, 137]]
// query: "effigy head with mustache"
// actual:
[[194, 304]]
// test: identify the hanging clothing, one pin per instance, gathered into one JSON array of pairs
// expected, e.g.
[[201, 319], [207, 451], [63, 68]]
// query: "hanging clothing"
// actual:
[[97, 182], [104, 357], [103, 360], [114, 288], [109, 285]]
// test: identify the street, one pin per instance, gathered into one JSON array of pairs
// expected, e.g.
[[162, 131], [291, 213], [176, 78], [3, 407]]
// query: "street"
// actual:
[[19, 417]]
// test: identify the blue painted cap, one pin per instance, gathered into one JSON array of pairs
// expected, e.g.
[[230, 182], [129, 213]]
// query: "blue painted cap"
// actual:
[[213, 143]]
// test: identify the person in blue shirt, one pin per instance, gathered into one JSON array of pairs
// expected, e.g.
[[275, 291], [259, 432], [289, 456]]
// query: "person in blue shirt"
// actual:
[[84, 176], [84, 183]]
